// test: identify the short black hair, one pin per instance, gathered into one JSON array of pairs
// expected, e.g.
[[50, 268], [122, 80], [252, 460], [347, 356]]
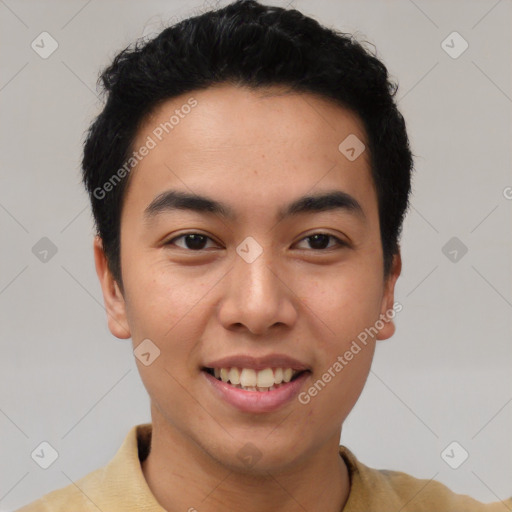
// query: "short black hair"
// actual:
[[245, 44]]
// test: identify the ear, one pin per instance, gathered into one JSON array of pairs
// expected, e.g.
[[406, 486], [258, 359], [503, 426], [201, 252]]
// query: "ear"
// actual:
[[112, 296], [388, 299]]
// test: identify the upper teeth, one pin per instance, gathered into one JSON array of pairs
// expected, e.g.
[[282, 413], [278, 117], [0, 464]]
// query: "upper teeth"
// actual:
[[247, 377]]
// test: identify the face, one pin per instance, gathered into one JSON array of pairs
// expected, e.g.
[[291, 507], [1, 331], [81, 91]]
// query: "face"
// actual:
[[244, 287]]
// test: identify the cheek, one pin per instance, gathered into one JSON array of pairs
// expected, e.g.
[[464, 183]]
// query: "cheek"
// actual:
[[351, 305], [346, 301], [168, 313], [171, 309], [333, 391], [160, 298]]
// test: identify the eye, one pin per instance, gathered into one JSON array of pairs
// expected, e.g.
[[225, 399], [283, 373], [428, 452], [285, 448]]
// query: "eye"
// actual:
[[196, 241], [319, 240], [193, 241]]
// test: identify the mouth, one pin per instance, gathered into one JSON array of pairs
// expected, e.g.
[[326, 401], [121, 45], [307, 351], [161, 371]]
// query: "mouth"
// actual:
[[255, 391], [252, 384], [249, 379]]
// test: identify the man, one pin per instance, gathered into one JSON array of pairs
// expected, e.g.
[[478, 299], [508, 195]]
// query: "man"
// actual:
[[249, 176]]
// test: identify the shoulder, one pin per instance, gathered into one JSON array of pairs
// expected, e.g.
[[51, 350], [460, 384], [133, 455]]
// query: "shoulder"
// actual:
[[381, 489], [77, 495], [419, 494], [118, 485]]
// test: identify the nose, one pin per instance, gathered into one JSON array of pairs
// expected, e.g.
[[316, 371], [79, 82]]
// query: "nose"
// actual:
[[256, 297]]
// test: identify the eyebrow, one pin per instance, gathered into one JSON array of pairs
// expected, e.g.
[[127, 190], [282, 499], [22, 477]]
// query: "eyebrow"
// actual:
[[172, 200]]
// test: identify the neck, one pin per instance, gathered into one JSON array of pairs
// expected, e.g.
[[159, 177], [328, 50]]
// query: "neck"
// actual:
[[182, 476]]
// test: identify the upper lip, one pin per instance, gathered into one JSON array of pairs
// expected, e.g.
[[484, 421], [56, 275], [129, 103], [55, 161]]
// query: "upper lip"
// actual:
[[258, 363]]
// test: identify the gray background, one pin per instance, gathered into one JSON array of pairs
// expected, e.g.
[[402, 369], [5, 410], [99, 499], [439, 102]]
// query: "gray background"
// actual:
[[443, 377]]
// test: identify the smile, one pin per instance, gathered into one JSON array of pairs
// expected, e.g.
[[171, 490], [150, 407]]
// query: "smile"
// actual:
[[252, 391], [249, 379]]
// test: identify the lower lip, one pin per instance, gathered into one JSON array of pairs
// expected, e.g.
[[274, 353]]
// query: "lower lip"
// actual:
[[256, 401]]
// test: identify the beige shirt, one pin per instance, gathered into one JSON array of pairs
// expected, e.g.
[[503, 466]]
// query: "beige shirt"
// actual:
[[120, 486]]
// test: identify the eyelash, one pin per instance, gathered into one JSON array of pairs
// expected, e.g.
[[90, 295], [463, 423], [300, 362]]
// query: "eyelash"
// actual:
[[339, 243]]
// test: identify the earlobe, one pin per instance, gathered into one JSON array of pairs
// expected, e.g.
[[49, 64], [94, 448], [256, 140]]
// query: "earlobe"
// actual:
[[112, 296], [388, 311]]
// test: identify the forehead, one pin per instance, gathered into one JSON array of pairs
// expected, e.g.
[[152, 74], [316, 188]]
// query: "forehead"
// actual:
[[227, 116], [236, 142]]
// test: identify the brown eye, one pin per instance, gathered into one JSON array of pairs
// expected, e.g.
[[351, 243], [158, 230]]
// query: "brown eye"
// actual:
[[193, 241], [320, 241], [196, 241]]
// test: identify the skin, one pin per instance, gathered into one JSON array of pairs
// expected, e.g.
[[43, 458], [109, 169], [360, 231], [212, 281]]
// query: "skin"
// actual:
[[256, 152]]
